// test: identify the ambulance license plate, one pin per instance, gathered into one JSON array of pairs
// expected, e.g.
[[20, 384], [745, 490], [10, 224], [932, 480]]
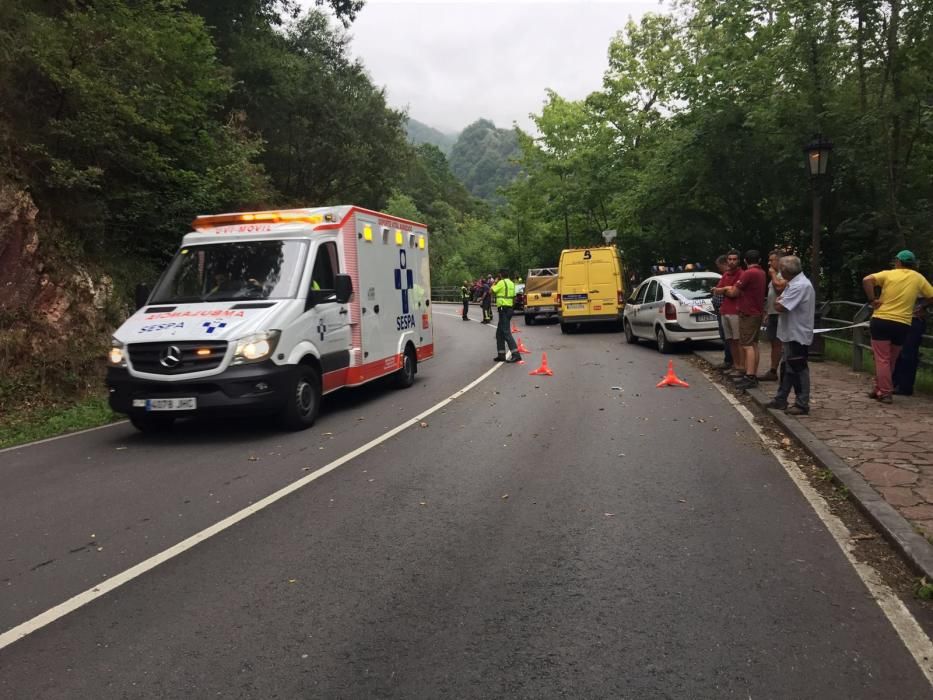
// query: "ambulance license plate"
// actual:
[[188, 404], [543, 308], [576, 306]]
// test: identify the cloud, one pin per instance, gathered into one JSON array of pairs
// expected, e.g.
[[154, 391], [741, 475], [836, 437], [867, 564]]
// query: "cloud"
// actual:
[[450, 63]]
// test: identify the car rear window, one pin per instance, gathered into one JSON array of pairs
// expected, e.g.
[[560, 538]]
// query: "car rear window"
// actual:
[[695, 287]]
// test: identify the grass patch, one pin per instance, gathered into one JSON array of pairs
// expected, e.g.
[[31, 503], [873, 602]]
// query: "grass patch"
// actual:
[[49, 421], [842, 353]]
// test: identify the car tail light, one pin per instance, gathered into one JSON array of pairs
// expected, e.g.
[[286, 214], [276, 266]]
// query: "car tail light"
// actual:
[[670, 313], [620, 299], [557, 299]]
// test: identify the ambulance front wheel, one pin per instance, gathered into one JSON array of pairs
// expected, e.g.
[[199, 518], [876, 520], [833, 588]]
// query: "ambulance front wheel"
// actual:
[[405, 377], [304, 399]]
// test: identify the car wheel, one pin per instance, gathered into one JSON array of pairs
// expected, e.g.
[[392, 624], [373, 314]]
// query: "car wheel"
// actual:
[[664, 345], [152, 424], [405, 377], [304, 399], [566, 328], [529, 320], [630, 336]]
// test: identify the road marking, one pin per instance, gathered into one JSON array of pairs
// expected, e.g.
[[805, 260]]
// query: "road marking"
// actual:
[[81, 599], [901, 619], [62, 437]]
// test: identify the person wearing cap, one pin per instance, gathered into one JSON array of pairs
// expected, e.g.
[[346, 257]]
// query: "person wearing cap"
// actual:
[[893, 313], [504, 289]]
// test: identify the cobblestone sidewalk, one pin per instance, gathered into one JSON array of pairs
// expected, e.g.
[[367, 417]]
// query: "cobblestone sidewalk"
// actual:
[[890, 445]]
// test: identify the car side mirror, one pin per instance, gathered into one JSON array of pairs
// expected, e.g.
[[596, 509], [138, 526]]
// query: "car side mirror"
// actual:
[[344, 288], [142, 295]]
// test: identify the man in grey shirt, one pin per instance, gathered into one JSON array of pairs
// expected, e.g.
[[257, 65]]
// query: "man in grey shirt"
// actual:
[[796, 307]]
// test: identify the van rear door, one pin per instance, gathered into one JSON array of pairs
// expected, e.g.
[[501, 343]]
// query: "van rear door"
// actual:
[[604, 282], [573, 285]]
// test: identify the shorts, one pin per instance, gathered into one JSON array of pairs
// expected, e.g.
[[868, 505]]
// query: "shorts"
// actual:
[[771, 330], [730, 326], [882, 329], [749, 328]]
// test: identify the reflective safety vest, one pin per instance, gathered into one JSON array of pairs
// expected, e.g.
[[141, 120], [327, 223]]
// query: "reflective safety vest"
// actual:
[[504, 290], [464, 294]]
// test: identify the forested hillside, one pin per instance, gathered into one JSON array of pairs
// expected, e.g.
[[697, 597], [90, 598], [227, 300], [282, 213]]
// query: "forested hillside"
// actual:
[[419, 133], [119, 122], [484, 159], [695, 142]]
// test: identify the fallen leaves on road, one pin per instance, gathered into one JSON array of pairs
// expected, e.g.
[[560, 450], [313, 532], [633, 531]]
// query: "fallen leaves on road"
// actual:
[[864, 536], [253, 459], [505, 496], [423, 424]]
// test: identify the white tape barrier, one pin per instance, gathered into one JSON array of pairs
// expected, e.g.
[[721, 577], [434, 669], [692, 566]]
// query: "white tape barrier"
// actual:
[[863, 324]]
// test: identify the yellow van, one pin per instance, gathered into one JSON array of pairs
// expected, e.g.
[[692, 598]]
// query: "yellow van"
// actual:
[[590, 286]]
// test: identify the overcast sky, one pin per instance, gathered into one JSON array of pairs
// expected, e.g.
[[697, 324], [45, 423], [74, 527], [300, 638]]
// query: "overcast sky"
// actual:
[[450, 63]]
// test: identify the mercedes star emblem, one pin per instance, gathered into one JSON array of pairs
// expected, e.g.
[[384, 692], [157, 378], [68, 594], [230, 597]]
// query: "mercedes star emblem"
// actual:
[[170, 357]]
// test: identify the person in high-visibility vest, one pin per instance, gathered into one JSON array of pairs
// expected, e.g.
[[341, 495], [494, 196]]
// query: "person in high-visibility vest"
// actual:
[[504, 289], [465, 298]]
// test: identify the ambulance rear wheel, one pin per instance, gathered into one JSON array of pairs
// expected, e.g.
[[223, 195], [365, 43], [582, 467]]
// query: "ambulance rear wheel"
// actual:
[[529, 320], [304, 399], [149, 423], [405, 377]]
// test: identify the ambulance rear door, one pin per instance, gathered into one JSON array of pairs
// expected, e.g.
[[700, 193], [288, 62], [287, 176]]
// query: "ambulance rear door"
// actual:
[[603, 279]]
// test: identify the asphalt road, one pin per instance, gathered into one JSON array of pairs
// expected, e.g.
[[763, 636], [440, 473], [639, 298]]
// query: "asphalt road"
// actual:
[[539, 537]]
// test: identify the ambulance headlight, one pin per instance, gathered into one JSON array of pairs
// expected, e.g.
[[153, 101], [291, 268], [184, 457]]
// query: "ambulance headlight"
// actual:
[[116, 357], [255, 347]]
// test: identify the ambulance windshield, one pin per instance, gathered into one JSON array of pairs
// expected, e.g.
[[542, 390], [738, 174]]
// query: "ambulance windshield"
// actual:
[[232, 272]]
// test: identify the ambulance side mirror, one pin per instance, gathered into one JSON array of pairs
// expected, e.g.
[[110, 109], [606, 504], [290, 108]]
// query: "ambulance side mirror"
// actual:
[[344, 288], [142, 295]]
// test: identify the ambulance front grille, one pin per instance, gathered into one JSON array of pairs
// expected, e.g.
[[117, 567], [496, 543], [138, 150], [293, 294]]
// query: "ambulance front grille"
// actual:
[[176, 357]]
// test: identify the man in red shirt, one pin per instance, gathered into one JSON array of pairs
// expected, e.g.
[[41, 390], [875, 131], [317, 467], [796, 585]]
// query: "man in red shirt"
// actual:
[[729, 311], [750, 292]]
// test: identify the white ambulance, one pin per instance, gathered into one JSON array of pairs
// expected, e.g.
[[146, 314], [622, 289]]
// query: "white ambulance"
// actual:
[[264, 312]]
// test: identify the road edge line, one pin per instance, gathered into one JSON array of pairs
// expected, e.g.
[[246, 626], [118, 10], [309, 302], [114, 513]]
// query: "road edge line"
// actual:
[[62, 436], [56, 612], [916, 641]]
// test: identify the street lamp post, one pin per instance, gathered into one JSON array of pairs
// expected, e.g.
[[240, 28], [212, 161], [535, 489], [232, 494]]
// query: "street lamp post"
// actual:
[[817, 152]]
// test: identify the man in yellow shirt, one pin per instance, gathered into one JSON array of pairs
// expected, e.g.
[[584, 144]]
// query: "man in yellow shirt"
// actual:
[[890, 323], [504, 289]]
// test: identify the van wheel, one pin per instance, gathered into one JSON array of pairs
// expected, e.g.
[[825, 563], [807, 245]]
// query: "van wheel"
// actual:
[[405, 377], [664, 345], [630, 336], [304, 399], [152, 424], [529, 320], [565, 328]]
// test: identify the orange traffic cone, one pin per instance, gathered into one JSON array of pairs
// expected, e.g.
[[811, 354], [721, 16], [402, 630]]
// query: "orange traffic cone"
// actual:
[[521, 346], [543, 369], [671, 379], [515, 329]]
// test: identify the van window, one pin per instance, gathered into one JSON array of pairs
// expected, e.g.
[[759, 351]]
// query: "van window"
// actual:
[[651, 295], [695, 288], [324, 275], [640, 298], [232, 271]]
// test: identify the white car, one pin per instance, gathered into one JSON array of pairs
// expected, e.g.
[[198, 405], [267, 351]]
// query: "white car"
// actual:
[[672, 308]]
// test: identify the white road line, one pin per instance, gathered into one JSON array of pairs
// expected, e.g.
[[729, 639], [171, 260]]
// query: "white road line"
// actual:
[[72, 604], [904, 623], [62, 437]]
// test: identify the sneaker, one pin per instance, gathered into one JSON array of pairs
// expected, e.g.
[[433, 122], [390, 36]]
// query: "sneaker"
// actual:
[[873, 394], [796, 410], [499, 358], [778, 405], [769, 376], [886, 398], [748, 382], [515, 358]]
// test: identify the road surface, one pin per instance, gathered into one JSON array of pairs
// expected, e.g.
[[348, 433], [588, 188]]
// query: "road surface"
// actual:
[[536, 537]]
